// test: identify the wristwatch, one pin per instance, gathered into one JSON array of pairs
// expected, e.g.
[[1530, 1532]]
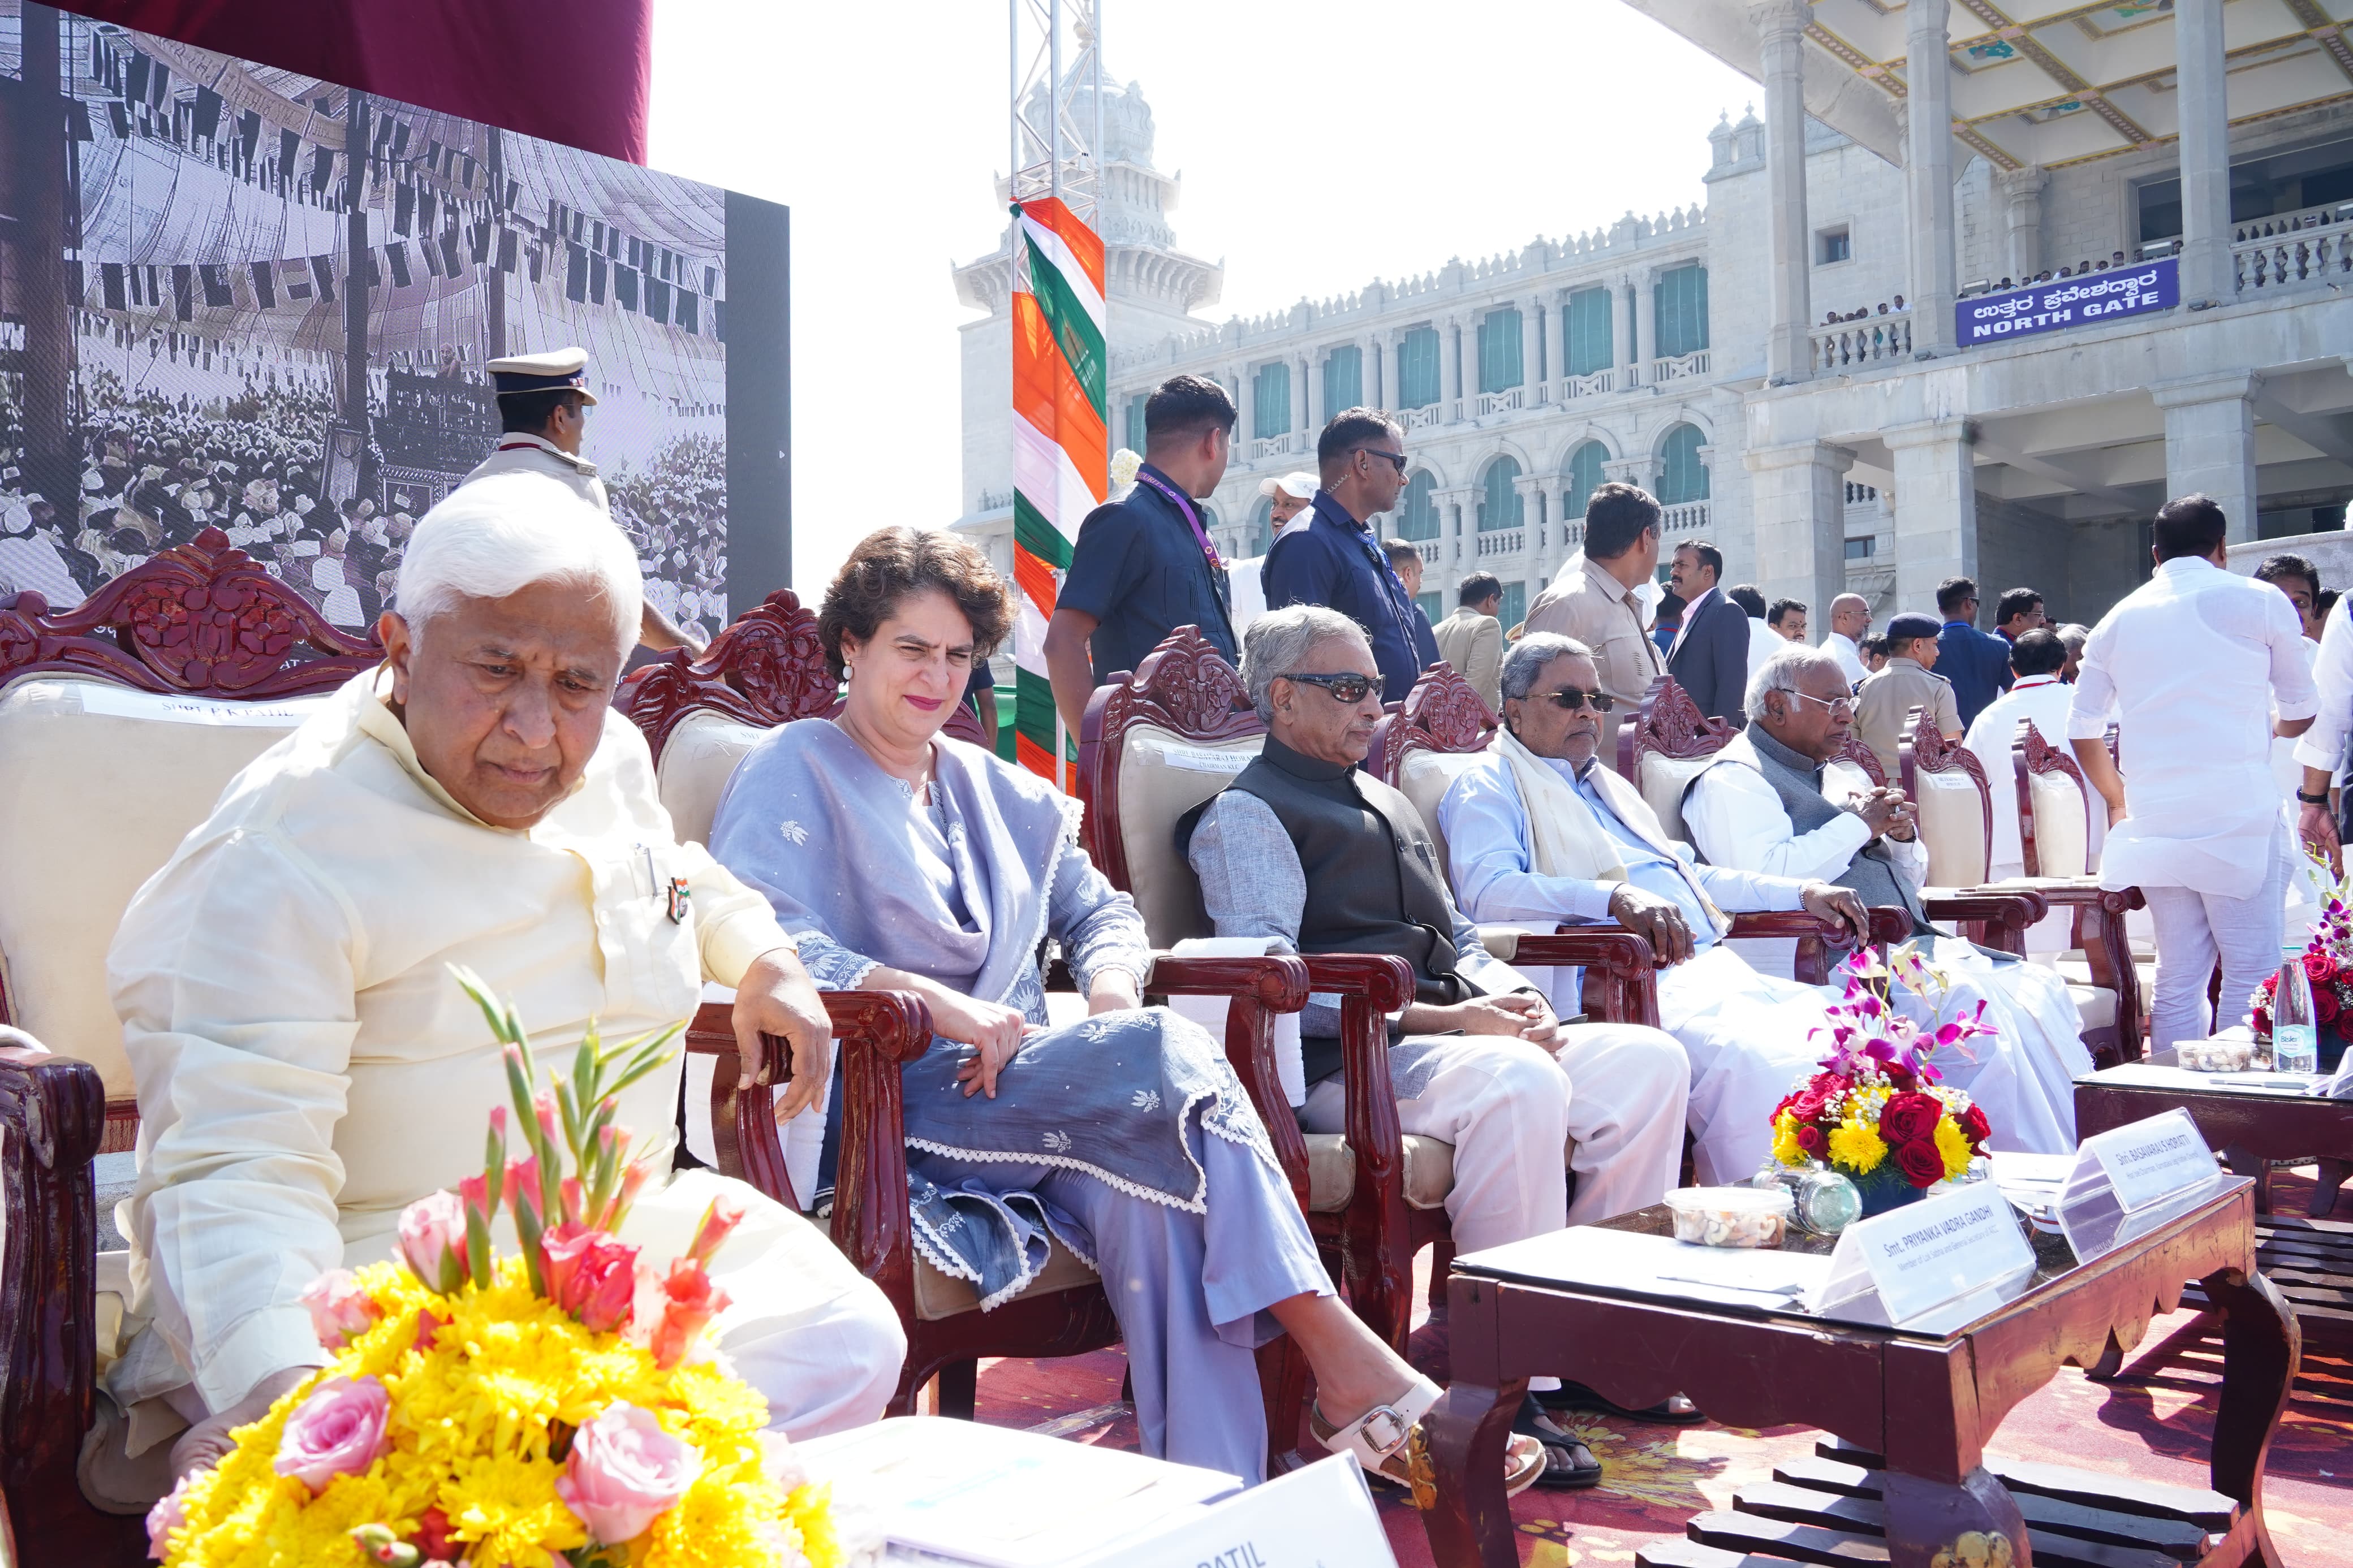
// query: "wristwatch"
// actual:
[[2320, 799]]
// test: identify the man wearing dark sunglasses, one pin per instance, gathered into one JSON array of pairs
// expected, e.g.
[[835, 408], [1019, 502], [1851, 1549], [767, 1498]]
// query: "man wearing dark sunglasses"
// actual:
[[1539, 832], [1336, 560]]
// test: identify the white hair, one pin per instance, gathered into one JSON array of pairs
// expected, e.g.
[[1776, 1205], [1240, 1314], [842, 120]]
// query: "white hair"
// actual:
[[500, 534], [1278, 643], [1781, 671]]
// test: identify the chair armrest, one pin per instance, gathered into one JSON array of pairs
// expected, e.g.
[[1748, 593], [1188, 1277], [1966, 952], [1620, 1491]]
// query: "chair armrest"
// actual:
[[1622, 978], [52, 1115], [1256, 989], [1376, 1275], [1817, 939], [2099, 932], [880, 1031], [1992, 918]]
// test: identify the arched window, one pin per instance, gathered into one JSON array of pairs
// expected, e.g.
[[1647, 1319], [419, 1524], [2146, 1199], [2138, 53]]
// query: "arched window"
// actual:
[[1417, 513], [1260, 537], [1681, 476], [1499, 498], [1584, 478]]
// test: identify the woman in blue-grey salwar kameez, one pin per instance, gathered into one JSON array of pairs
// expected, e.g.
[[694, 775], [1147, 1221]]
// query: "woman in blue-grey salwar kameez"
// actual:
[[900, 859]]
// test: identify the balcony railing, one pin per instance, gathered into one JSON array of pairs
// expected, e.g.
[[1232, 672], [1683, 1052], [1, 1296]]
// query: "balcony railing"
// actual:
[[1683, 517], [1503, 542], [1510, 400], [1429, 548], [1272, 446], [1600, 383], [1862, 344], [1678, 367], [1428, 414], [2291, 258]]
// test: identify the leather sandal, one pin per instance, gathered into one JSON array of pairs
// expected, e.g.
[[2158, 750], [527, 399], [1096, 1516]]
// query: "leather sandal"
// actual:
[[1390, 1443], [1569, 1465], [1675, 1410]]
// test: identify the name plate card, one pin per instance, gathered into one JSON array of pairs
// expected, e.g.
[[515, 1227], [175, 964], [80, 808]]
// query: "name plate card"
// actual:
[[2151, 1160], [1918, 1257], [1318, 1517]]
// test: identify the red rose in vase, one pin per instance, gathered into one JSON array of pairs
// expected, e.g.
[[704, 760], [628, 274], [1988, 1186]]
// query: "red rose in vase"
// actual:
[[2318, 968], [1974, 1127], [1922, 1165], [1812, 1140], [1909, 1118], [2325, 1005], [1809, 1103]]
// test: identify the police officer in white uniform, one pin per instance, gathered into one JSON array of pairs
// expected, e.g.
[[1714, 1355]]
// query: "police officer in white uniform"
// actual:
[[543, 402]]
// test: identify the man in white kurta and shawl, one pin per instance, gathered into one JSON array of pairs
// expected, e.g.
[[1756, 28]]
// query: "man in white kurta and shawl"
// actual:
[[306, 1065], [1539, 834], [1774, 801]]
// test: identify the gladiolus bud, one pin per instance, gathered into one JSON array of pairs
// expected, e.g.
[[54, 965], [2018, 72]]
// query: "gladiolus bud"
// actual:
[[570, 1189], [719, 1221], [633, 1180], [522, 1183], [690, 1301], [378, 1545], [542, 1105]]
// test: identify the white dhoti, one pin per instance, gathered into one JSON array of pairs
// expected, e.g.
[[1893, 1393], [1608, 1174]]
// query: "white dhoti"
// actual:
[[1750, 1038], [2024, 1078]]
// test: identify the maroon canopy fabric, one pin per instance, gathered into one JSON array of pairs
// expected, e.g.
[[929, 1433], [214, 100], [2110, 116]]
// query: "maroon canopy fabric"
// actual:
[[577, 73]]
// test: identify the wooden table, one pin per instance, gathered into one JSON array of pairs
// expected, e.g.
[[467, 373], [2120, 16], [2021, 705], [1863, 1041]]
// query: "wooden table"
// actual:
[[2247, 1117], [1927, 1402]]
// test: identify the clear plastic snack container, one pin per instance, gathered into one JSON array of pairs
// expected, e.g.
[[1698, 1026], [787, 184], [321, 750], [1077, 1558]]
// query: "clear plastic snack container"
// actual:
[[1731, 1217]]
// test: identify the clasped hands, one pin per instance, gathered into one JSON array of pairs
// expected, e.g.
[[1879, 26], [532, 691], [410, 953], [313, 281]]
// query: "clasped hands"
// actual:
[[1886, 810]]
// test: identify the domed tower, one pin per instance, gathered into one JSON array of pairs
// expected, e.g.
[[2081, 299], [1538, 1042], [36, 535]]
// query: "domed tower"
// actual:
[[1150, 287]]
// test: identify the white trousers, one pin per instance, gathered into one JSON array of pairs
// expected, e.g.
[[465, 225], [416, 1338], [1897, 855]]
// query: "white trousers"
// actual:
[[1510, 1108], [2192, 929]]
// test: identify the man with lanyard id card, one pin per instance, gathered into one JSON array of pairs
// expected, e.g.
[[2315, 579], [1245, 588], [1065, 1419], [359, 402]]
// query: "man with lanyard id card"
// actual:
[[1144, 566], [1336, 561]]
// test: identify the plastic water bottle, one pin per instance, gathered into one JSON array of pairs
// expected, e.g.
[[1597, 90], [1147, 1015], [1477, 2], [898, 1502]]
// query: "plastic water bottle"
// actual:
[[2295, 1035]]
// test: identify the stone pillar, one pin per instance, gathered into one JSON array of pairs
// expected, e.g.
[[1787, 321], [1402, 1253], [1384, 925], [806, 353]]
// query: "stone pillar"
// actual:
[[2021, 195], [1646, 319], [1928, 173], [1531, 340], [1449, 367], [2209, 442], [1631, 356], [1781, 31], [2206, 273], [1372, 381], [1246, 399], [1935, 505], [1796, 495], [1311, 397]]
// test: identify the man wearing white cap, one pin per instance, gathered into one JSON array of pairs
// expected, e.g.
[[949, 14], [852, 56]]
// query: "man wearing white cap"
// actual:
[[30, 558], [1289, 495], [543, 402]]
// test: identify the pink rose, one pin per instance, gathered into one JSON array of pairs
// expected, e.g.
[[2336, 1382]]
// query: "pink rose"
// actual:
[[591, 1276], [340, 1311], [433, 1241], [624, 1470], [337, 1431], [690, 1301], [168, 1514]]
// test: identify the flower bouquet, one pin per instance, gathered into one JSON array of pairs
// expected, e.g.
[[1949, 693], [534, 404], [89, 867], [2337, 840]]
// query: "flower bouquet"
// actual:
[[2328, 963], [560, 1406], [1878, 1112]]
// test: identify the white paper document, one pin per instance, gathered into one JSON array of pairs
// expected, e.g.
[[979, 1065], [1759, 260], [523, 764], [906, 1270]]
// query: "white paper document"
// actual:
[[1658, 1265], [1319, 1517]]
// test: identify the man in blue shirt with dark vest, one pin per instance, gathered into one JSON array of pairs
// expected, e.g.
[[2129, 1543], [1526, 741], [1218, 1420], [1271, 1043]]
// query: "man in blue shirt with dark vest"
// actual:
[[1145, 566], [1336, 561], [1976, 662]]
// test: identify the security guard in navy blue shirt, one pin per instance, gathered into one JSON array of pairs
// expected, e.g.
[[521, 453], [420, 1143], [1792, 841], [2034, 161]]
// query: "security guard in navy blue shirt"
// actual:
[[1976, 662], [1145, 566], [1336, 561]]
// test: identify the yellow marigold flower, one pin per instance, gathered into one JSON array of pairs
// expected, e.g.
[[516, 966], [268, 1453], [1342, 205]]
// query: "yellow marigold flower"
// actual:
[[1785, 1140], [1857, 1148], [1954, 1146]]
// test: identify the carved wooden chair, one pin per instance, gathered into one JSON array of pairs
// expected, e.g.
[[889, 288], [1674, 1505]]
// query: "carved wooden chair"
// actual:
[[1955, 804], [699, 717], [1158, 743], [2054, 817], [1421, 751]]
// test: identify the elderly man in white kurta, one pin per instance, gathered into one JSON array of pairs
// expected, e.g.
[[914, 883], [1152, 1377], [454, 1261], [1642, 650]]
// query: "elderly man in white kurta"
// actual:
[[1773, 800], [2200, 668], [1539, 834], [306, 1065]]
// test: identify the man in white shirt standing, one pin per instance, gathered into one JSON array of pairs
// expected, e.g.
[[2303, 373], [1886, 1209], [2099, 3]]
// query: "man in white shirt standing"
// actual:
[[1849, 619], [2037, 694], [2194, 662]]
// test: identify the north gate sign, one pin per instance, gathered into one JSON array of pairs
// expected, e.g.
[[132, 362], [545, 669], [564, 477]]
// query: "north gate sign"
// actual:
[[2137, 291]]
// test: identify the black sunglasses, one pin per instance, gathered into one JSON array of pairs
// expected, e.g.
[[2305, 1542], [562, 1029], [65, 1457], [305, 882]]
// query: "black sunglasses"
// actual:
[[1396, 458], [1571, 698], [1345, 688]]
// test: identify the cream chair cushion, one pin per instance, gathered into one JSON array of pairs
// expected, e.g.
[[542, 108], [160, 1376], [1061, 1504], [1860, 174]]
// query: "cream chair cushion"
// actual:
[[98, 785], [939, 1295], [1663, 781], [2062, 831], [1332, 1172], [1953, 827], [696, 763], [1424, 779], [2096, 1006], [1162, 775]]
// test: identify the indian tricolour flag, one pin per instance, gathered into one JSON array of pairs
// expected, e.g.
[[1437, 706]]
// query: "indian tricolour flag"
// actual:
[[1061, 442]]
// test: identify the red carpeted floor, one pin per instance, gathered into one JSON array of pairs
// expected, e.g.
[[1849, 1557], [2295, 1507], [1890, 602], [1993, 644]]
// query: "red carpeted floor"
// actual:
[[2151, 1423]]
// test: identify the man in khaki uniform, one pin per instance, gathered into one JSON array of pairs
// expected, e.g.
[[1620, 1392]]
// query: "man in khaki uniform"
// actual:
[[1471, 638], [1908, 681], [1593, 599]]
